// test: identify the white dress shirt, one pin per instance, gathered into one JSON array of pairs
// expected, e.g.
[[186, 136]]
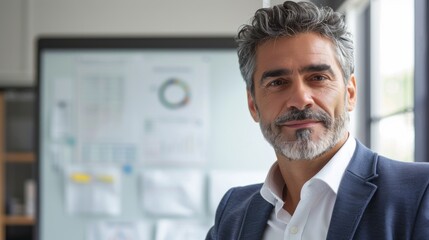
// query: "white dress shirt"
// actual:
[[313, 214]]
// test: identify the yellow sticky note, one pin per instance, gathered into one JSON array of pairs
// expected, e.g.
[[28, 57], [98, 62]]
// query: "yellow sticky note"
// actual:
[[81, 177], [105, 178]]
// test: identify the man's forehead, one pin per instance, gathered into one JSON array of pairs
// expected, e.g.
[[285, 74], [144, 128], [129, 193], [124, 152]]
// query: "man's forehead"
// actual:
[[302, 49]]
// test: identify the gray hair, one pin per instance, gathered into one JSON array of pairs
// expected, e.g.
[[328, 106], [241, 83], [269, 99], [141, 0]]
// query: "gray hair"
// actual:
[[289, 19]]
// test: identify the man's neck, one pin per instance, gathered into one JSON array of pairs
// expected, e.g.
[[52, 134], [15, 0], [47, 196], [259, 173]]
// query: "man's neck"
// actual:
[[296, 173]]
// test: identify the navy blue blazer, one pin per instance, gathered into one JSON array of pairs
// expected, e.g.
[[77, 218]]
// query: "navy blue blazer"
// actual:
[[378, 198]]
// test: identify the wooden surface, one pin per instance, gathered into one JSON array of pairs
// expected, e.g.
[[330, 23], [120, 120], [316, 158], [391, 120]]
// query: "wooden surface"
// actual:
[[25, 157], [2, 165], [18, 220], [15, 157]]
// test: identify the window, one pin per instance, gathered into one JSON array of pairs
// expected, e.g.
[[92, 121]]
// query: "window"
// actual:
[[392, 70]]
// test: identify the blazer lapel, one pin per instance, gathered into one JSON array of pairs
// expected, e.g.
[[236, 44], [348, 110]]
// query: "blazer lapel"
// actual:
[[354, 194], [255, 219]]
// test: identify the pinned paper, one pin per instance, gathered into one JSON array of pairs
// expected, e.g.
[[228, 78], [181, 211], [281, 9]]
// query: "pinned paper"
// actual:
[[92, 190], [181, 230], [176, 90], [119, 230], [172, 192]]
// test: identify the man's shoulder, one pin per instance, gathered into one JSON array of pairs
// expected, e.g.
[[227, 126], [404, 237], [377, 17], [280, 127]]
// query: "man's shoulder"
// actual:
[[237, 199], [240, 194], [239, 204], [387, 167], [395, 166], [248, 189], [407, 176]]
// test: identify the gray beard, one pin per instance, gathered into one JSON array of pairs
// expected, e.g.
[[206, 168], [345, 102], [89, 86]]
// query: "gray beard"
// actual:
[[303, 147]]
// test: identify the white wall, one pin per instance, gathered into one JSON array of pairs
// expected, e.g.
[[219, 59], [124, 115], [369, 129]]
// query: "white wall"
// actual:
[[22, 21], [14, 47]]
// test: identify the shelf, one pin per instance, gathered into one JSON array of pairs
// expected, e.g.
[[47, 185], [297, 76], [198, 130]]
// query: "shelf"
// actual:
[[20, 157], [18, 162], [18, 220]]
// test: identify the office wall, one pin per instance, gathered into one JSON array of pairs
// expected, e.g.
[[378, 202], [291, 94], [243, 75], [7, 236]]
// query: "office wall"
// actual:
[[21, 21], [190, 17], [14, 46]]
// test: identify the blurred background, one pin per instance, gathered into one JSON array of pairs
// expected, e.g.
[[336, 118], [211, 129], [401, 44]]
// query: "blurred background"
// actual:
[[88, 191]]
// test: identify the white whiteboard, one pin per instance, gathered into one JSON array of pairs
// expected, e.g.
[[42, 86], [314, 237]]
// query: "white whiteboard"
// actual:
[[126, 125]]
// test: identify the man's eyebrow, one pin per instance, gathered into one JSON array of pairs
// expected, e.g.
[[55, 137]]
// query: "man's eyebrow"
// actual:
[[285, 71], [275, 73], [317, 68]]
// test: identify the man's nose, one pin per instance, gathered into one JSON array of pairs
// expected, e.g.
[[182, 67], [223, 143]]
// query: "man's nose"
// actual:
[[300, 97]]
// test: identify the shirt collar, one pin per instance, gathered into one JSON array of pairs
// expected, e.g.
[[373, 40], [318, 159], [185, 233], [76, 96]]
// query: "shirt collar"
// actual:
[[333, 171], [272, 188]]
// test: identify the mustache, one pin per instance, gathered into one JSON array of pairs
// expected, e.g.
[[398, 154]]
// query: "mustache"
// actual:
[[296, 115]]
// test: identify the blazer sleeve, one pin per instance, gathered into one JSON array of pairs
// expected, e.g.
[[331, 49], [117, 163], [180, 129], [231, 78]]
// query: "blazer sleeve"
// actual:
[[421, 226], [213, 232]]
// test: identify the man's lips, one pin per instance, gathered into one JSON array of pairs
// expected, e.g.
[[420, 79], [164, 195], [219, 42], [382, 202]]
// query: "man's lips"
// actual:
[[301, 123]]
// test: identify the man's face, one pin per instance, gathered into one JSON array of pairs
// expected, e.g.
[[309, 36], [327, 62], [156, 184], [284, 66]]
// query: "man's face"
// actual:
[[300, 98]]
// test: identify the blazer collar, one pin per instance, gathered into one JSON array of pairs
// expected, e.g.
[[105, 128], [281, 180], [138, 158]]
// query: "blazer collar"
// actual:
[[255, 218], [354, 193]]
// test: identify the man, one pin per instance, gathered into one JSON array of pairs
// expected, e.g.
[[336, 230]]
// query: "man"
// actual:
[[297, 61]]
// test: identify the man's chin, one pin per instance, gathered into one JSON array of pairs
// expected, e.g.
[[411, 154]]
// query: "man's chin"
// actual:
[[303, 149]]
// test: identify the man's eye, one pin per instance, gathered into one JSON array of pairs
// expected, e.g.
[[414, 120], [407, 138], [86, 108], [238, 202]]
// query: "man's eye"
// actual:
[[318, 78], [276, 82]]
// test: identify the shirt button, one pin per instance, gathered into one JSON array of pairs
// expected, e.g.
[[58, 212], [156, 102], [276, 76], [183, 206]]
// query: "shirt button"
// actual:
[[293, 230]]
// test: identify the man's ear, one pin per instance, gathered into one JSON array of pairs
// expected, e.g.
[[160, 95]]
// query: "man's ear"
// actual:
[[252, 106], [351, 93]]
